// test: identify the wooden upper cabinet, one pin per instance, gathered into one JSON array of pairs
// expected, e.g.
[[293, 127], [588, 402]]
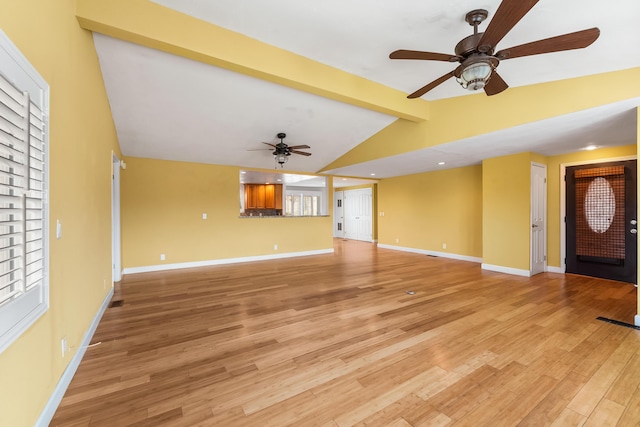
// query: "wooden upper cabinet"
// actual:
[[278, 196], [254, 196], [263, 196], [260, 197], [269, 191]]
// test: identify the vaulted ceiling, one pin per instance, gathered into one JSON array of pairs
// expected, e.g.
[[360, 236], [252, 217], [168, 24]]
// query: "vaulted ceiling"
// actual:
[[203, 81]]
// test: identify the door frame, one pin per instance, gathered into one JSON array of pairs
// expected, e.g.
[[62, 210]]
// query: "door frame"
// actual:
[[544, 231], [563, 200], [116, 254]]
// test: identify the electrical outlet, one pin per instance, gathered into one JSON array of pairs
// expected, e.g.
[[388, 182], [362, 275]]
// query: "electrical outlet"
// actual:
[[444, 246], [275, 247], [204, 215], [397, 240], [58, 229], [63, 344], [162, 257]]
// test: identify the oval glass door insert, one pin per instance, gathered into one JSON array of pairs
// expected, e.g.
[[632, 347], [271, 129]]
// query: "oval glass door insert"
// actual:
[[599, 205]]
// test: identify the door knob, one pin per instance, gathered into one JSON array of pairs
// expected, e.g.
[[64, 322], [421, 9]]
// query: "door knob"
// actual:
[[534, 225], [633, 231], [633, 222]]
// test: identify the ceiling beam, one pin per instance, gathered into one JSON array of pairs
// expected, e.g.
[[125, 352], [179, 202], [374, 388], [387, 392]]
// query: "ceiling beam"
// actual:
[[464, 117], [149, 24]]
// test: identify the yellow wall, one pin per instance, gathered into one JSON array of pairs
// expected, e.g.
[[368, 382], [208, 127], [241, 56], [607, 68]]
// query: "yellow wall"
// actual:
[[425, 210], [501, 190], [554, 184], [505, 210], [162, 207], [82, 138]]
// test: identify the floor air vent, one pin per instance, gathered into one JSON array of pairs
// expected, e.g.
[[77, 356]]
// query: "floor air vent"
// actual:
[[116, 303]]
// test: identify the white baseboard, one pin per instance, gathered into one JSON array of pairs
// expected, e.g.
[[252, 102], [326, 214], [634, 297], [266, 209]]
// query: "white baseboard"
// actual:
[[162, 267], [506, 270], [636, 320], [490, 267], [58, 393], [433, 253]]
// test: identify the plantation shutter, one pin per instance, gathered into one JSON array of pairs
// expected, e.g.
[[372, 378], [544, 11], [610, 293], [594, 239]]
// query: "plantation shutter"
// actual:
[[22, 185]]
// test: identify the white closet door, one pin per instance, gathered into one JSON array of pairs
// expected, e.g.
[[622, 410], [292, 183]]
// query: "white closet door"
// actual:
[[358, 213]]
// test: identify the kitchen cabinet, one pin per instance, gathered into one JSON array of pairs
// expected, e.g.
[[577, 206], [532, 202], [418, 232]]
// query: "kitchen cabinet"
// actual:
[[263, 196]]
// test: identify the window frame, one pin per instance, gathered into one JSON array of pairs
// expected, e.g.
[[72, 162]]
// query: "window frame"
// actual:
[[298, 197], [23, 309]]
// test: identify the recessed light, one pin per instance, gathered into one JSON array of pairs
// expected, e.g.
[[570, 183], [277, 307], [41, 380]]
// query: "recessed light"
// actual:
[[441, 163], [279, 180], [590, 147], [373, 174], [267, 183], [344, 179]]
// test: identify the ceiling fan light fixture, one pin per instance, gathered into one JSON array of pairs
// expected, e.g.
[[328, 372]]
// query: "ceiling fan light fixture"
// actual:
[[281, 159], [476, 75]]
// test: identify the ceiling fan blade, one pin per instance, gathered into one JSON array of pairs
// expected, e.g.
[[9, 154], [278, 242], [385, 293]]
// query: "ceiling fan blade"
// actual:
[[495, 85], [506, 17], [268, 143], [300, 152], [295, 147], [417, 54], [260, 149], [427, 88], [577, 40]]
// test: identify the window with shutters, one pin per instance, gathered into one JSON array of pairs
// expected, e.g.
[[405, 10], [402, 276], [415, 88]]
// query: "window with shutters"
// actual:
[[24, 97]]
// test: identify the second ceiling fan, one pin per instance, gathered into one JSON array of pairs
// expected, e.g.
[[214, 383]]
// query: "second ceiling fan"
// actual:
[[475, 53]]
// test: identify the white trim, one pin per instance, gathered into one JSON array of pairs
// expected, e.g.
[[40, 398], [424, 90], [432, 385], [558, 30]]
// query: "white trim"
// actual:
[[552, 269], [116, 258], [636, 319], [162, 267], [544, 207], [506, 270], [433, 253], [563, 197], [58, 393]]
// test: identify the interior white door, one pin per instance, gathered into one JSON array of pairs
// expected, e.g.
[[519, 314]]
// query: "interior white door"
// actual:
[[338, 214], [538, 218], [358, 213]]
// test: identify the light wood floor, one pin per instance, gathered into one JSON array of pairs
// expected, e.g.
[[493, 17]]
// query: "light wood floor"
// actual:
[[335, 340]]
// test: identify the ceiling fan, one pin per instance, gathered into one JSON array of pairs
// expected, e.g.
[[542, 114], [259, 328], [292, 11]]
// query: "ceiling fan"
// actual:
[[282, 151], [475, 53]]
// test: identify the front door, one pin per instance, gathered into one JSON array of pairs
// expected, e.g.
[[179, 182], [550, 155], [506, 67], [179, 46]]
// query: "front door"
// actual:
[[601, 220]]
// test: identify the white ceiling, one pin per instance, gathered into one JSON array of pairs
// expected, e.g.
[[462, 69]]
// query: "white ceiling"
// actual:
[[168, 107]]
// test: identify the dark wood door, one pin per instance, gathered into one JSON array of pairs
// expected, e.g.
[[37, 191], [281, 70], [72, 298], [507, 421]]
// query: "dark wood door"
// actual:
[[601, 220]]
